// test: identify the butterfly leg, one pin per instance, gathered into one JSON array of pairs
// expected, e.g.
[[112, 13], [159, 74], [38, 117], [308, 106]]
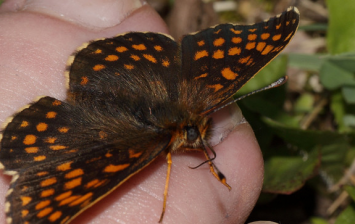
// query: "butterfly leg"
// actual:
[[214, 170], [169, 161]]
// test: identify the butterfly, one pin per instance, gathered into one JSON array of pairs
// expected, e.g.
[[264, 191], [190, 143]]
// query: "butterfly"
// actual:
[[130, 99]]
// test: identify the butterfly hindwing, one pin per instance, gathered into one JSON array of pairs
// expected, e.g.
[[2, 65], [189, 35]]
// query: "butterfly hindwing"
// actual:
[[62, 161], [218, 61]]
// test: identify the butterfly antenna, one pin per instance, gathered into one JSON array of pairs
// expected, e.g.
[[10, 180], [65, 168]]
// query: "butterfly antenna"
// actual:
[[277, 83]]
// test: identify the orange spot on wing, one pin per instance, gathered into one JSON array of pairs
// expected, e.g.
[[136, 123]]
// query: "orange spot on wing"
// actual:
[[276, 37], [200, 54], [43, 173], [84, 80], [58, 147], [56, 103], [63, 196], [111, 57], [72, 183], [150, 58], [217, 32], [50, 140], [287, 23], [234, 51], [24, 124], [48, 182], [30, 140], [139, 47], [44, 212], [98, 51], [227, 73], [237, 40], [158, 48], [39, 158], [108, 155], [218, 42], [63, 129], [24, 213], [252, 30], [68, 200], [74, 173], [252, 37], [41, 127], [115, 168], [201, 76], [81, 199], [99, 67], [250, 45], [236, 31], [51, 115], [277, 49], [133, 154], [64, 166], [121, 49], [218, 54], [31, 149], [25, 200], [135, 57], [92, 183], [265, 36], [216, 87], [129, 67], [288, 36], [102, 135], [267, 49], [260, 46], [165, 63], [47, 193], [42, 204], [244, 60], [278, 26], [55, 216], [201, 43]]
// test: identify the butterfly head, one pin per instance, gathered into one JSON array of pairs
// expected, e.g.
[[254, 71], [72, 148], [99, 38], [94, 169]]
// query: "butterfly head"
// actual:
[[191, 134]]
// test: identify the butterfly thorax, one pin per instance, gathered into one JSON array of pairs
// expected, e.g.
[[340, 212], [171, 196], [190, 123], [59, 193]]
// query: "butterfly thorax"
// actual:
[[187, 129]]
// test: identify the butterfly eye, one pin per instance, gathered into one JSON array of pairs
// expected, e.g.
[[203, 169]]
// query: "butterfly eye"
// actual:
[[192, 133]]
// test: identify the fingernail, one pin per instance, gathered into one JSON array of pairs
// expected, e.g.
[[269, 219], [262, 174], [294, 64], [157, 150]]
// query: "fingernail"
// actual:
[[95, 14], [224, 122]]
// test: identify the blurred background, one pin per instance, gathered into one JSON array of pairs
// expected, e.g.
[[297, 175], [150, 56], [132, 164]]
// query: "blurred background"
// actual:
[[306, 127]]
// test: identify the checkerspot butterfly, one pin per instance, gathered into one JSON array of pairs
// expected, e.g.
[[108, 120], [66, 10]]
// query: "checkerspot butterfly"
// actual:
[[130, 98]]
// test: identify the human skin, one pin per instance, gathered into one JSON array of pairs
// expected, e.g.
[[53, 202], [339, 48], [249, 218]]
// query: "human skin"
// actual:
[[36, 39]]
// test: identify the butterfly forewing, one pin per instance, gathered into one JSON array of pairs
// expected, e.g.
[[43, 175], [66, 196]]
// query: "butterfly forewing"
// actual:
[[134, 65], [218, 61]]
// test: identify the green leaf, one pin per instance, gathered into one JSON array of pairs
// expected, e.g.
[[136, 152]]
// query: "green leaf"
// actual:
[[347, 216], [349, 94], [286, 169], [338, 108], [332, 76], [351, 191], [286, 174], [349, 120], [316, 220], [306, 61], [341, 31], [304, 103]]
